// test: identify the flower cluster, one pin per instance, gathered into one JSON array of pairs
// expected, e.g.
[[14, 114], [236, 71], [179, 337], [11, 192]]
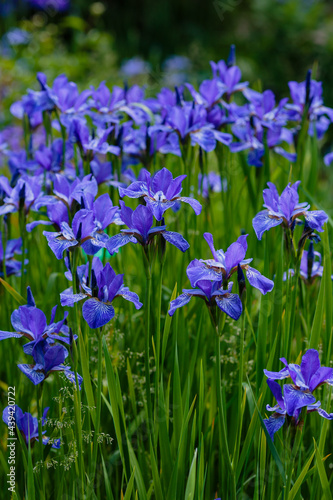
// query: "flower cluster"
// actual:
[[210, 278], [305, 377]]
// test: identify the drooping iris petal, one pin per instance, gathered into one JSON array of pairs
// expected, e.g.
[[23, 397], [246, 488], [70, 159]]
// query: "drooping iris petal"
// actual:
[[7, 335], [316, 219], [176, 240], [273, 424], [230, 304], [193, 203], [130, 296], [257, 280], [180, 301], [97, 313], [263, 222], [118, 241], [277, 392], [35, 376]]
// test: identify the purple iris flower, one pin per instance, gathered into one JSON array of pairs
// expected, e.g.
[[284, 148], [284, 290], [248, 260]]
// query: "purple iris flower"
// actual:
[[210, 92], [290, 404], [50, 159], [160, 191], [30, 322], [285, 209], [230, 76], [107, 103], [224, 264], [27, 425], [213, 294], [68, 192], [90, 144], [13, 267], [310, 267], [190, 121], [83, 233], [309, 93], [56, 213], [141, 144], [140, 230], [48, 357], [308, 375], [100, 290], [210, 183], [26, 193], [63, 95]]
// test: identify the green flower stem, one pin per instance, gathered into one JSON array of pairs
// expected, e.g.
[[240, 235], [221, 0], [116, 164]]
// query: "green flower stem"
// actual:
[[77, 395], [240, 389], [98, 401], [147, 329], [223, 439], [40, 432], [23, 232]]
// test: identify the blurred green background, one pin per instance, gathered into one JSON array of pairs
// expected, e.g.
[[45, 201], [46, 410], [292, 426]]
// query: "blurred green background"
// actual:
[[276, 41]]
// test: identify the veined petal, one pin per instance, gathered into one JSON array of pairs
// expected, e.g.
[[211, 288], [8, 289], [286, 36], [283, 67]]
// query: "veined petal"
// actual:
[[176, 239], [324, 414], [130, 296], [273, 424], [296, 399], [180, 301], [284, 373], [97, 313], [263, 222], [257, 280], [35, 376], [7, 335], [316, 219], [193, 203], [197, 271], [118, 241], [231, 304], [68, 298]]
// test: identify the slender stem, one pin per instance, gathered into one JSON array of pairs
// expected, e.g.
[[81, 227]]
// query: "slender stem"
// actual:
[[147, 344], [240, 387], [98, 400], [77, 394], [224, 447], [40, 430]]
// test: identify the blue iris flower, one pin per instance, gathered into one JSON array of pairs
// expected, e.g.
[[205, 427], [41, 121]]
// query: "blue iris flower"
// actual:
[[27, 424], [101, 288], [160, 192], [140, 230]]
